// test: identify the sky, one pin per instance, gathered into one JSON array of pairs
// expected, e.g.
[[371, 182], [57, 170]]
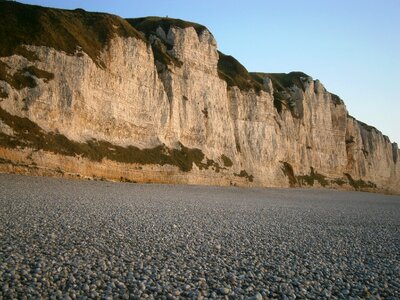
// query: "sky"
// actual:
[[352, 47]]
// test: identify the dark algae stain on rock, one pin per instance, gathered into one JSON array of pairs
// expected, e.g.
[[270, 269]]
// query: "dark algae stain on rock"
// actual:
[[24, 77], [29, 55], [395, 150], [226, 160], [244, 174], [359, 184], [288, 171], [18, 80], [205, 112], [3, 94], [314, 176], [27, 134], [46, 76], [311, 178]]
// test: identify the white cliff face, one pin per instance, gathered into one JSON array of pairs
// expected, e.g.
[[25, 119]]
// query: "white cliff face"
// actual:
[[86, 102], [371, 156], [129, 103], [194, 90]]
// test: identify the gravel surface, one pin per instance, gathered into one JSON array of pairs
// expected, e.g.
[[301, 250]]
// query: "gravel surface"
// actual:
[[80, 239]]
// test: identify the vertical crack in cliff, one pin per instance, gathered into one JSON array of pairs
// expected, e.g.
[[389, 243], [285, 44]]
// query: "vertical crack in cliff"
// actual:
[[155, 31], [233, 111]]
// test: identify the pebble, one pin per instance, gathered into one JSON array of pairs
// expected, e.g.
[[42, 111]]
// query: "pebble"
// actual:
[[224, 291], [258, 296]]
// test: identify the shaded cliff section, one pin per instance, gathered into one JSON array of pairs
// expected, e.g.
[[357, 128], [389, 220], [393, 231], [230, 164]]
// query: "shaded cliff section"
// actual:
[[75, 32]]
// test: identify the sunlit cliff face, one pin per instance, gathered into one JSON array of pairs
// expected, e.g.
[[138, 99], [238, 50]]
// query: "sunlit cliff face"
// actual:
[[152, 100]]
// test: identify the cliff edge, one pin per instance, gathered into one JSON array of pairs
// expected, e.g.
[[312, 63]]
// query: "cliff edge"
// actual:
[[93, 95]]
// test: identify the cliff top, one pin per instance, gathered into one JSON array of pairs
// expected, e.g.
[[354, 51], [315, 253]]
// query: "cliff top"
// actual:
[[282, 81], [149, 25], [235, 74], [63, 30], [78, 30], [72, 30]]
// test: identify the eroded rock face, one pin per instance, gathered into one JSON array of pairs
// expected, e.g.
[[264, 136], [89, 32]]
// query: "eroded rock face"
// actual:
[[158, 110]]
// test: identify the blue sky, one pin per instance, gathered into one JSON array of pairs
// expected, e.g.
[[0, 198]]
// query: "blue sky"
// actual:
[[352, 47]]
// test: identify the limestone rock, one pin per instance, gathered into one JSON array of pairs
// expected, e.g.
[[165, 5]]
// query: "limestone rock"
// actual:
[[166, 106]]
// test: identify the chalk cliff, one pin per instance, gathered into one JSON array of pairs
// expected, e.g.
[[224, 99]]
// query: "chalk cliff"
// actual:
[[152, 100]]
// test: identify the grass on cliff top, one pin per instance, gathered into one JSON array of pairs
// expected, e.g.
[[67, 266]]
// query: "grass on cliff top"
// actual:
[[283, 81], [235, 74], [28, 134], [336, 99], [161, 55], [280, 83], [367, 127], [149, 25], [63, 30]]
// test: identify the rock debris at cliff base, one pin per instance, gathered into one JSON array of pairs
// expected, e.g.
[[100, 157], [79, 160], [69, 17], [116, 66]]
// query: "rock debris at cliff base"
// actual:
[[74, 239]]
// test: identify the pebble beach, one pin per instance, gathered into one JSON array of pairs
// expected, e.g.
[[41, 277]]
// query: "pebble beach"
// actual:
[[70, 239]]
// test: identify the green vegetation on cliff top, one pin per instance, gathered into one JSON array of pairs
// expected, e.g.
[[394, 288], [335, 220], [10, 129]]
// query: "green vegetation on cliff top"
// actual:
[[149, 25], [235, 74], [63, 30], [72, 30], [283, 81]]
